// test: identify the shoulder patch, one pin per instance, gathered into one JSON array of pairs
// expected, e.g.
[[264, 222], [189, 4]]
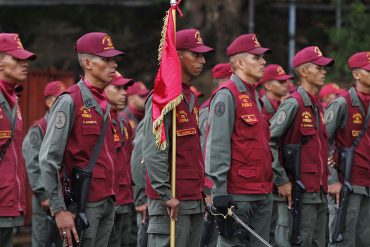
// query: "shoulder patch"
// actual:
[[220, 109], [329, 117], [60, 120], [281, 117], [33, 138]]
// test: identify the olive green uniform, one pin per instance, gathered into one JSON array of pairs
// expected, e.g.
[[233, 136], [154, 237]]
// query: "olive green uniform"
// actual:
[[51, 162], [313, 215], [255, 210], [190, 218], [357, 227]]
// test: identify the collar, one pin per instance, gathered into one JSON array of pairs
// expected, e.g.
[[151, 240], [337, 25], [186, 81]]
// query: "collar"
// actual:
[[305, 97]]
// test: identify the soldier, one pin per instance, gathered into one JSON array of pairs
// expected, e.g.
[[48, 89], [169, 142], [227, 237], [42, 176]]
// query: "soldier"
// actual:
[[220, 73], [345, 118], [237, 155], [138, 172], [329, 92], [31, 149], [135, 110], [187, 207], [116, 94], [275, 82], [299, 121], [13, 69], [76, 121]]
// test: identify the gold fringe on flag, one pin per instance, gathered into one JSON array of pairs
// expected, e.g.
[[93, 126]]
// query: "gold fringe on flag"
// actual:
[[163, 36], [157, 124]]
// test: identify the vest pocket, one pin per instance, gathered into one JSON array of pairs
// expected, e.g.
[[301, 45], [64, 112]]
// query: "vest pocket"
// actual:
[[90, 130], [7, 194], [248, 163]]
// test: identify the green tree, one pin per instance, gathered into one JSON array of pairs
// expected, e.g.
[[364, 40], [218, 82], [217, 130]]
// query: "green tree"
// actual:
[[352, 37]]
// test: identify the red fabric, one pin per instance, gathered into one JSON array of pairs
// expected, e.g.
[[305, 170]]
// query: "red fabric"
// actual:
[[311, 54], [11, 44], [167, 84], [359, 60], [250, 169], [314, 152], [344, 138], [8, 91], [99, 95], [81, 142], [54, 88], [221, 70], [274, 72], [12, 168], [189, 158], [246, 43]]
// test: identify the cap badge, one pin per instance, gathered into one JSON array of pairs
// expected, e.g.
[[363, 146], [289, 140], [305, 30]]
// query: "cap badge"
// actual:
[[18, 41], [198, 37], [107, 41], [256, 43], [368, 56], [318, 52], [280, 70]]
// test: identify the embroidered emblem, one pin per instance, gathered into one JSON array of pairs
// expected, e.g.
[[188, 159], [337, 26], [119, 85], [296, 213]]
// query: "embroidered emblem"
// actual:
[[33, 138], [256, 43], [219, 109], [186, 132], [85, 112], [281, 117], [355, 133], [249, 118], [196, 112], [182, 117], [357, 118], [126, 133], [245, 99], [18, 41], [107, 41], [60, 120], [306, 117], [280, 70], [198, 37], [4, 134], [318, 52]]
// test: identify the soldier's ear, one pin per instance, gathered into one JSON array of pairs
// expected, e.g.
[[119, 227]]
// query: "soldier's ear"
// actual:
[[355, 74], [87, 63]]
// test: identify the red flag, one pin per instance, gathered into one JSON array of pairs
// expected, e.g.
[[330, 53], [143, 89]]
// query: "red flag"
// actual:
[[167, 85]]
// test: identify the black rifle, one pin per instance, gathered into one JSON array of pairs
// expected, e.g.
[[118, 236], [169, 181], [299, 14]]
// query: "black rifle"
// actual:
[[345, 164], [143, 238], [292, 161], [76, 198], [209, 221], [52, 232]]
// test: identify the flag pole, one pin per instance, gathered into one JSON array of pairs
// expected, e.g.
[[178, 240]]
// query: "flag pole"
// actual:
[[173, 158]]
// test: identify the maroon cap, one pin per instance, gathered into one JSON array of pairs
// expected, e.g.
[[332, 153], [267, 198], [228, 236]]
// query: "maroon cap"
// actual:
[[97, 43], [330, 88], [54, 88], [291, 87], [221, 70], [246, 43], [11, 44], [360, 60], [138, 88], [311, 54], [190, 39], [119, 80], [275, 72]]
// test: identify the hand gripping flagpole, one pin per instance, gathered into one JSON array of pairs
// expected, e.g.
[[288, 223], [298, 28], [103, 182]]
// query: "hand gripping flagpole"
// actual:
[[173, 158]]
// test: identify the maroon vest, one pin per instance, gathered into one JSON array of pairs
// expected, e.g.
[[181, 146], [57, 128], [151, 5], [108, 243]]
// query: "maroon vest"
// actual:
[[250, 169], [123, 144], [12, 168], [344, 137], [189, 160], [42, 124], [314, 150], [82, 139]]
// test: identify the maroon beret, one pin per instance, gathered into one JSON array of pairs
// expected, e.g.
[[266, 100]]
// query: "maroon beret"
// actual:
[[138, 88], [119, 80]]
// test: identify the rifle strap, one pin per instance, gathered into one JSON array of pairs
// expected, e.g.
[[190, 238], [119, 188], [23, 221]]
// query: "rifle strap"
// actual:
[[9, 141], [363, 130], [99, 143]]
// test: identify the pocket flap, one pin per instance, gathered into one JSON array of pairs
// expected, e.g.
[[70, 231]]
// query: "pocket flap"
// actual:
[[310, 168], [247, 171], [250, 119], [307, 131], [90, 130]]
